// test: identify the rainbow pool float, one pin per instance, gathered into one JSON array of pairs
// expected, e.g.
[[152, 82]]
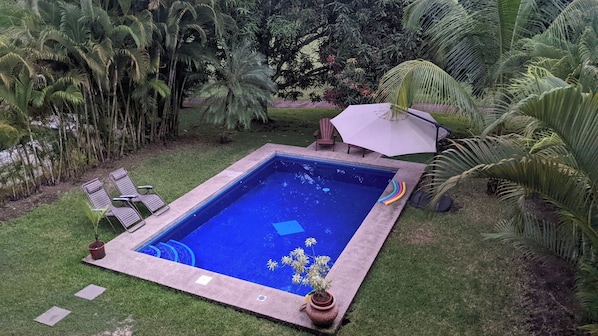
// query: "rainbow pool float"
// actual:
[[398, 191]]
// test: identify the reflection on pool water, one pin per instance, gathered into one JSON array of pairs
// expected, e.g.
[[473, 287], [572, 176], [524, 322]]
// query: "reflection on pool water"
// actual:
[[269, 212]]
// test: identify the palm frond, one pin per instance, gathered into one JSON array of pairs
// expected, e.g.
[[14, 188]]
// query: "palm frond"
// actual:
[[587, 289], [536, 238], [503, 159], [422, 80], [573, 116], [571, 21]]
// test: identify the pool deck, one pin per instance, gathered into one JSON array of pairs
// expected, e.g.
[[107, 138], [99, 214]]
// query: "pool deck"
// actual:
[[347, 273]]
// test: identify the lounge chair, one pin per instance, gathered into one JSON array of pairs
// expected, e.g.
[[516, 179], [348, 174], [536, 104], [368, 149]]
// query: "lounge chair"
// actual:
[[152, 201], [127, 215], [326, 135]]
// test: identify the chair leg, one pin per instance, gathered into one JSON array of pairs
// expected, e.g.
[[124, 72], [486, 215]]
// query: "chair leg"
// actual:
[[109, 221]]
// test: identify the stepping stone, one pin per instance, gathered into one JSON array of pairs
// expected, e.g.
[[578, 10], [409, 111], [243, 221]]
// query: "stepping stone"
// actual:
[[90, 292], [52, 316], [288, 227]]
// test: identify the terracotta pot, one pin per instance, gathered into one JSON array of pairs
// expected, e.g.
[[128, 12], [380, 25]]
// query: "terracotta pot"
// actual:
[[97, 251], [322, 299], [321, 315]]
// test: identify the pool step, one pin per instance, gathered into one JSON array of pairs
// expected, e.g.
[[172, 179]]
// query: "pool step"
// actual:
[[186, 255], [172, 250], [168, 252], [151, 250]]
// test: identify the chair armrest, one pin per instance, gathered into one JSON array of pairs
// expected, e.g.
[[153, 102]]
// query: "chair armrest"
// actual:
[[127, 196], [316, 133], [125, 201], [148, 189]]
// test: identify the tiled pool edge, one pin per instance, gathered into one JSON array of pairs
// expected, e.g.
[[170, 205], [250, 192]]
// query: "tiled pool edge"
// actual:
[[346, 274]]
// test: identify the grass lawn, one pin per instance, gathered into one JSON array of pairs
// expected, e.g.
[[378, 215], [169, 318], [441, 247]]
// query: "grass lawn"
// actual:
[[434, 276]]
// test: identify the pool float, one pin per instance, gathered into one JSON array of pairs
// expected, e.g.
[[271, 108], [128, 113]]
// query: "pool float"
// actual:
[[397, 193]]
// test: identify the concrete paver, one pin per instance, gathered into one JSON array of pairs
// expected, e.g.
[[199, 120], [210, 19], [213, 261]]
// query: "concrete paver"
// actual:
[[52, 316], [90, 292]]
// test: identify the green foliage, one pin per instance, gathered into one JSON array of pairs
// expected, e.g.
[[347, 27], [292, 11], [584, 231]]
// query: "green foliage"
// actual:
[[419, 80], [586, 290], [111, 76], [95, 216], [459, 125], [366, 40], [468, 38], [310, 269], [312, 44], [9, 136], [554, 160], [241, 90]]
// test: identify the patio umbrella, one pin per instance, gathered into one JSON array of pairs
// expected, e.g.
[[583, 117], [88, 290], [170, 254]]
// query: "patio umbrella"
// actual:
[[372, 126]]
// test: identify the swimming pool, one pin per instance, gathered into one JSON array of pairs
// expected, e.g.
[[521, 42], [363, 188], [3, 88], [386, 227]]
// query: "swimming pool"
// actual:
[[347, 274], [270, 211]]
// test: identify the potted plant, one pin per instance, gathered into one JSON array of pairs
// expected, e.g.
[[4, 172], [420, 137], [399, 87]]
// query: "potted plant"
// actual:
[[311, 270], [96, 248]]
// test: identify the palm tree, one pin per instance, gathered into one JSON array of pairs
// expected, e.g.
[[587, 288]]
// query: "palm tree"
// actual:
[[111, 53], [548, 113], [241, 90], [181, 47], [20, 91], [466, 42], [554, 159]]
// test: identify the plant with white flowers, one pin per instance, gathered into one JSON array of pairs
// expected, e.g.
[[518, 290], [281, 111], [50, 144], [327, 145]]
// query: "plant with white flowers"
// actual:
[[310, 270]]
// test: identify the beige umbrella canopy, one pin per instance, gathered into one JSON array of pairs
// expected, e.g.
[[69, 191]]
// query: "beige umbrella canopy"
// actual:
[[373, 126]]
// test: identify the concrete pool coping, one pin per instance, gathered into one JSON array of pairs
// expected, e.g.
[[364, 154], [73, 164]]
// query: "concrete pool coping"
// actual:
[[347, 274]]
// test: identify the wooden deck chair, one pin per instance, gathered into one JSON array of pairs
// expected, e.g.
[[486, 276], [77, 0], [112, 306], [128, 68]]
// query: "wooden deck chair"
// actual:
[[127, 214], [326, 135], [152, 201]]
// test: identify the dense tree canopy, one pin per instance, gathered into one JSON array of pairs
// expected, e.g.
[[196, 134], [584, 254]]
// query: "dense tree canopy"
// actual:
[[109, 76], [344, 46]]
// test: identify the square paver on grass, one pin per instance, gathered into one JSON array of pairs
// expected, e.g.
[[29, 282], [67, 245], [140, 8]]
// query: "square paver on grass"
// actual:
[[52, 316], [90, 292]]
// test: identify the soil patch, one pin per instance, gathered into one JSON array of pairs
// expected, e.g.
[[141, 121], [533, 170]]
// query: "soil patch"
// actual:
[[550, 300]]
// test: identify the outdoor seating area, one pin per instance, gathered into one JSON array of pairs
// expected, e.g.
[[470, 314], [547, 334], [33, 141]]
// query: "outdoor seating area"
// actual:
[[349, 146], [148, 197], [126, 212], [392, 133]]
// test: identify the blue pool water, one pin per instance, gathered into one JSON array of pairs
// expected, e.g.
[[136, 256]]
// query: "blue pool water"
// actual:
[[271, 211]]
